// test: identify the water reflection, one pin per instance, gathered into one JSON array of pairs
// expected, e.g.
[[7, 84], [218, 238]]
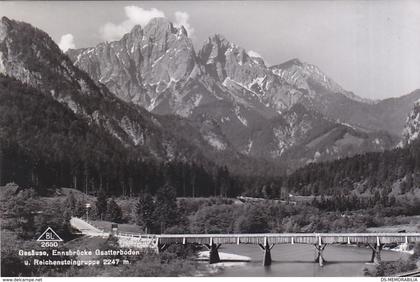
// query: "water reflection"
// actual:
[[298, 260]]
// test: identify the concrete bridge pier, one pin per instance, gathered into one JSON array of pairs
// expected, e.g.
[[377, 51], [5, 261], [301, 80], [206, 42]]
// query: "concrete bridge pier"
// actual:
[[267, 252], [376, 252], [214, 253], [319, 257]]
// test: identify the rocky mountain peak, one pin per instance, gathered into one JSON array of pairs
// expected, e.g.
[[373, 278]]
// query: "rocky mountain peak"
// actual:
[[219, 40], [290, 63], [213, 49], [5, 23], [136, 32], [19, 30], [217, 47], [143, 64], [303, 74], [226, 60], [31, 56], [3, 27], [312, 79], [158, 28], [256, 58], [183, 31]]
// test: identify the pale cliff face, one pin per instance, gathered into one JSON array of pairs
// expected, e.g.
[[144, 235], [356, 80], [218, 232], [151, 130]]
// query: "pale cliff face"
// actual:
[[412, 128]]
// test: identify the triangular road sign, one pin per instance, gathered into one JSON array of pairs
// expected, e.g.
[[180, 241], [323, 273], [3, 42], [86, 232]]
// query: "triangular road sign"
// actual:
[[49, 235]]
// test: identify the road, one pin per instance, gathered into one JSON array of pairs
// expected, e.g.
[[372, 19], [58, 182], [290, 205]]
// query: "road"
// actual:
[[86, 229]]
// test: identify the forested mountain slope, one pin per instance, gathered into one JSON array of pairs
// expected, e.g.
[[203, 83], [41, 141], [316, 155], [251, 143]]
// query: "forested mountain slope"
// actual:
[[45, 145], [364, 173]]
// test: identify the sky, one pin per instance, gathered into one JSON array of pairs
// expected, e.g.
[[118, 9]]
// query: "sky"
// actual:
[[369, 47]]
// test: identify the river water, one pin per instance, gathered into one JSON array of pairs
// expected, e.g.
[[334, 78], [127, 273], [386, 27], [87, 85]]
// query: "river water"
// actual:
[[297, 260]]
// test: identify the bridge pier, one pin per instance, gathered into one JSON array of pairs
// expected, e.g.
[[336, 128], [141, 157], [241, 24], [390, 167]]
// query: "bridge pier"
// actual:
[[213, 252], [319, 257], [375, 241], [267, 253], [376, 253]]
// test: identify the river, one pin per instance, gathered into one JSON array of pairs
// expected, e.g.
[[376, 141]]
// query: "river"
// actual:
[[297, 260]]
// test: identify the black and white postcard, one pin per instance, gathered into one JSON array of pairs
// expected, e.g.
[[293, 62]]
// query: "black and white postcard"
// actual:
[[210, 139]]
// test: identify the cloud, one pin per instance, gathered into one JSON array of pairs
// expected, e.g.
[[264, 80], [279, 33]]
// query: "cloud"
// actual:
[[67, 42], [181, 18], [254, 54], [135, 15], [142, 16]]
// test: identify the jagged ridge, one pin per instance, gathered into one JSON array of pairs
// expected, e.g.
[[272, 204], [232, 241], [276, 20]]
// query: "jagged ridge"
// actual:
[[221, 84]]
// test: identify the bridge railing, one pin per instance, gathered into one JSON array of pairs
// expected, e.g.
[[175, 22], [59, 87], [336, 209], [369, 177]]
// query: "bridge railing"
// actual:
[[136, 235], [291, 238]]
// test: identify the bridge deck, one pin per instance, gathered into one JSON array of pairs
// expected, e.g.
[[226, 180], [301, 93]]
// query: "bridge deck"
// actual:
[[291, 238]]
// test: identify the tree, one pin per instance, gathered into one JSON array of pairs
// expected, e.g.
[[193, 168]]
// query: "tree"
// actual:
[[166, 211], [70, 204], [214, 219], [21, 208], [113, 212], [101, 204], [145, 210], [79, 209], [252, 220], [53, 216]]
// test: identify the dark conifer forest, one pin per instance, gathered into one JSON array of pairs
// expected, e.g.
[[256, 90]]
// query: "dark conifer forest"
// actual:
[[373, 170]]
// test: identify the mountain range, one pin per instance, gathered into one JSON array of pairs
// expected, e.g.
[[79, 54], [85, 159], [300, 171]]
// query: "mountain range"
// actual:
[[290, 112], [31, 56], [155, 94]]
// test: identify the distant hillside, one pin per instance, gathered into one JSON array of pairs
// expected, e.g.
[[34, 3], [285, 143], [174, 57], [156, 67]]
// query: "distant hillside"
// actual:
[[396, 171]]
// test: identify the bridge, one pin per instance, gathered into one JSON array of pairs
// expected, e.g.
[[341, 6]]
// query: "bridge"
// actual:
[[266, 242]]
